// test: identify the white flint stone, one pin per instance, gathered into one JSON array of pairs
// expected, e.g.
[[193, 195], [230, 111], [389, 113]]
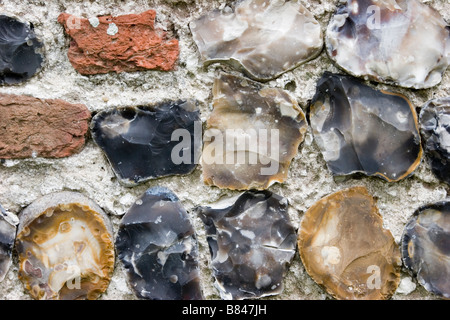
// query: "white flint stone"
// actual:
[[401, 42]]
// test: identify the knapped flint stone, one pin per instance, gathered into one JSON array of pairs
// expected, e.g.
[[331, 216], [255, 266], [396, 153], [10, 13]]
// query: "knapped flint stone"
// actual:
[[252, 135], [32, 127], [116, 44], [435, 129], [8, 223], [401, 42], [426, 247], [346, 250], [361, 130], [21, 52], [261, 37], [138, 140], [252, 241], [65, 247], [157, 246]]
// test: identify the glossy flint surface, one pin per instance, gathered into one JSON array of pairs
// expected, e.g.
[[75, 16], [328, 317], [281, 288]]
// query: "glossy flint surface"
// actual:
[[21, 52], [252, 134], [138, 140], [361, 130], [401, 42], [8, 224], [435, 129], [263, 38], [251, 241], [426, 247], [346, 250], [65, 248], [157, 246]]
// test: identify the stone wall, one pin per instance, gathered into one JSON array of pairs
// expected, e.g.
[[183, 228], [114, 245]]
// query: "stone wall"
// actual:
[[88, 171]]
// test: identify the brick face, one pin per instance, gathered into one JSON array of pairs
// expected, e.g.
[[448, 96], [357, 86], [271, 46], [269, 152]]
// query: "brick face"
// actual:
[[42, 128], [116, 44]]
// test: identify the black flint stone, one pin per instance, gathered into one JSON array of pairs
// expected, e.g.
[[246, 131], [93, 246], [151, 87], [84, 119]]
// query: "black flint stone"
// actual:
[[138, 140], [364, 130], [7, 237], [425, 247], [435, 123], [157, 246], [20, 51], [251, 243]]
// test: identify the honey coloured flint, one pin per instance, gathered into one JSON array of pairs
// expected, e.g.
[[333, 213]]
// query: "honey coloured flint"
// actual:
[[252, 135], [65, 248], [346, 250]]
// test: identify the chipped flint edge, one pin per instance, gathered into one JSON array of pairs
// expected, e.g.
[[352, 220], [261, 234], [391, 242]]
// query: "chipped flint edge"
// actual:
[[12, 219]]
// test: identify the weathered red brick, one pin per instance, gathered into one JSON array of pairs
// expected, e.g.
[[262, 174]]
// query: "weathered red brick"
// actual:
[[31, 127], [116, 44]]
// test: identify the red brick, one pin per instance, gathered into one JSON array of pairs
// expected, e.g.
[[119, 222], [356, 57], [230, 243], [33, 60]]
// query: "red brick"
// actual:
[[136, 46], [42, 128]]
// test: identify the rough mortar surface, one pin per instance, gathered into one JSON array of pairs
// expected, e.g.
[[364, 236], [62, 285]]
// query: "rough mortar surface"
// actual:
[[23, 181]]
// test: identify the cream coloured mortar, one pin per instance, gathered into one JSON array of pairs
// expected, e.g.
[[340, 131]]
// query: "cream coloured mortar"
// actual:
[[22, 181]]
